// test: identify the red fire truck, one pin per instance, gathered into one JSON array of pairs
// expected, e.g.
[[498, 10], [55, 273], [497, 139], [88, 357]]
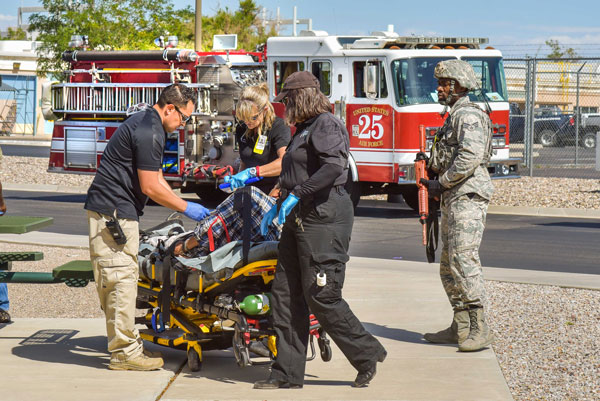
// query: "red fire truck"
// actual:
[[104, 87], [381, 85]]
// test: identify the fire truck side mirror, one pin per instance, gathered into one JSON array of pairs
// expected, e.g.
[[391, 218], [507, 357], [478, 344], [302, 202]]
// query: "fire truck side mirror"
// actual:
[[371, 81]]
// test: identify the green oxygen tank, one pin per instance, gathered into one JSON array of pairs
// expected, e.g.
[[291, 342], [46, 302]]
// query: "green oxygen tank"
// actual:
[[256, 304]]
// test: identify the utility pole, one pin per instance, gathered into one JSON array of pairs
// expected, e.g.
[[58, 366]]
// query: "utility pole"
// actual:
[[278, 21], [198, 27]]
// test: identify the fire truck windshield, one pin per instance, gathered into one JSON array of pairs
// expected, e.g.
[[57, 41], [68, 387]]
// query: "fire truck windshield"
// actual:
[[414, 82]]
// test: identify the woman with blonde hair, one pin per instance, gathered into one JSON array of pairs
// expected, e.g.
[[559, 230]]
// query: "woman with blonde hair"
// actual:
[[261, 137]]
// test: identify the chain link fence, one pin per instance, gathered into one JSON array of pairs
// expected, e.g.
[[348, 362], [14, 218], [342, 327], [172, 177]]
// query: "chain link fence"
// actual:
[[555, 116]]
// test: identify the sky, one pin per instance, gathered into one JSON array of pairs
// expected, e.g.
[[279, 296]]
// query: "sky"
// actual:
[[517, 28]]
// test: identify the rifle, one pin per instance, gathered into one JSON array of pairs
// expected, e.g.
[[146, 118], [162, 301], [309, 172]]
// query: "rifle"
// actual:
[[428, 208], [421, 172]]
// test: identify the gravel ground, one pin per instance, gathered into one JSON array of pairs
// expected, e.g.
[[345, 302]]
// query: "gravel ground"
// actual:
[[572, 193], [32, 170], [548, 338], [569, 193]]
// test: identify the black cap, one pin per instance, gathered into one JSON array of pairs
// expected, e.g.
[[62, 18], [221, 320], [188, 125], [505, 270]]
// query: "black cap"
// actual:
[[297, 80]]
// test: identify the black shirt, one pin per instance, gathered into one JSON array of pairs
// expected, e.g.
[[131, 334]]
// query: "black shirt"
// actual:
[[316, 158], [277, 137], [138, 143]]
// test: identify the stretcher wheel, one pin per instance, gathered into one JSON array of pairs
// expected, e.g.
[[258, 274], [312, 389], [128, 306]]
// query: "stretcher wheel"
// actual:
[[244, 359], [326, 352], [240, 350], [193, 362], [324, 347]]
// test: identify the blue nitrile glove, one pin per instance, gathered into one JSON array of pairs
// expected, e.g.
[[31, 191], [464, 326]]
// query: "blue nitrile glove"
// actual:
[[239, 180], [196, 211], [287, 206], [267, 220]]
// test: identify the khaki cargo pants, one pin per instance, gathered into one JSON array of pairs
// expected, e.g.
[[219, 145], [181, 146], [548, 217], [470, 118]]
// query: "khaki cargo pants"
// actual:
[[116, 275]]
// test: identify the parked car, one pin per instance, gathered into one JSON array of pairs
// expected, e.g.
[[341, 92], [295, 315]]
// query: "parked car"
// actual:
[[551, 126], [566, 134]]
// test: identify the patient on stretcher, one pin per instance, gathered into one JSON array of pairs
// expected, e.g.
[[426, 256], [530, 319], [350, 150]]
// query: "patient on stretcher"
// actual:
[[216, 243], [226, 224]]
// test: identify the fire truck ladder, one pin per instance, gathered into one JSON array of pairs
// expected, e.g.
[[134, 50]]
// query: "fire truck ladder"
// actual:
[[115, 98]]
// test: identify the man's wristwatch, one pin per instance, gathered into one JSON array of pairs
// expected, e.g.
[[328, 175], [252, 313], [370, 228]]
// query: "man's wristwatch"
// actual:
[[184, 247], [254, 171]]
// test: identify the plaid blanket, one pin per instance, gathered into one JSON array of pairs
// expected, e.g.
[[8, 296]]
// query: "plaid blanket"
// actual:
[[226, 223]]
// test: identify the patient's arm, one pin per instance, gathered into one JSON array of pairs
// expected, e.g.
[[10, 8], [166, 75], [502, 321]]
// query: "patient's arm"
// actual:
[[185, 246]]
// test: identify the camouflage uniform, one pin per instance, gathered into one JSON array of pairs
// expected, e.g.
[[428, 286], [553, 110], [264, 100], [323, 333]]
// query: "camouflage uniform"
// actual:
[[459, 156]]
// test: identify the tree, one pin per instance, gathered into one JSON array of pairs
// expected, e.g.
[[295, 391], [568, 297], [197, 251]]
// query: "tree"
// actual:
[[134, 24], [244, 22], [15, 34], [109, 25], [559, 52]]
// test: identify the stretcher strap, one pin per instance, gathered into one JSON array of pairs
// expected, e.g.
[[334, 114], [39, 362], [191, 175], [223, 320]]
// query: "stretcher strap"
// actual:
[[242, 202], [164, 296], [211, 239]]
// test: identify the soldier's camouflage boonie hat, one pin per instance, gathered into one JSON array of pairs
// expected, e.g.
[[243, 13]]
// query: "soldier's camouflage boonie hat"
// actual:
[[461, 71]]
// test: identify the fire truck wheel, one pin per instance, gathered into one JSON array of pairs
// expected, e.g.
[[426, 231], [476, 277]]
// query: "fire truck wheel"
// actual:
[[411, 198]]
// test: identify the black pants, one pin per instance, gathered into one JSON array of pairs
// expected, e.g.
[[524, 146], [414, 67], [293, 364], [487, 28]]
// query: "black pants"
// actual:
[[319, 243]]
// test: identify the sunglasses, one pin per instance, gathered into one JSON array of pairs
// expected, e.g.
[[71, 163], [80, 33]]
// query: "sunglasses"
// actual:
[[184, 118]]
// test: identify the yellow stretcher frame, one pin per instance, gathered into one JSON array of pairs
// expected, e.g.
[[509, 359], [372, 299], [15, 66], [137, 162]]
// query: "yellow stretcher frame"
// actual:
[[193, 323]]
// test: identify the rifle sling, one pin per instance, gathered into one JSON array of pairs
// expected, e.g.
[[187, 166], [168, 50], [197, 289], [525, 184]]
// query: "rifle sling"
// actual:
[[433, 228]]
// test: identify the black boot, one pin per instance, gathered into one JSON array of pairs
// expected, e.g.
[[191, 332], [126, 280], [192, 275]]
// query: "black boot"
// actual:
[[364, 377], [271, 384]]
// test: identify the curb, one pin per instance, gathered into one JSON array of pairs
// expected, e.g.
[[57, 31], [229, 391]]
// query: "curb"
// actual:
[[44, 188], [37, 243], [44, 140], [545, 212]]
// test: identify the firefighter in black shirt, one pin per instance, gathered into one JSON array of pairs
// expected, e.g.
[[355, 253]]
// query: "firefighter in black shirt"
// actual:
[[317, 215]]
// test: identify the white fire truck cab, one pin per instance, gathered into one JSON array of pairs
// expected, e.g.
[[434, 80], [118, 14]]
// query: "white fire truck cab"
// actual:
[[383, 87]]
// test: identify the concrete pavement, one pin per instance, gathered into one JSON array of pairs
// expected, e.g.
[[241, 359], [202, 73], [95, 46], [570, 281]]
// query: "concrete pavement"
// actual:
[[397, 301]]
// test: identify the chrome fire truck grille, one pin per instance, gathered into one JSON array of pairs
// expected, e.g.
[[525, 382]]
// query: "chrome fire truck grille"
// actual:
[[110, 98], [208, 74]]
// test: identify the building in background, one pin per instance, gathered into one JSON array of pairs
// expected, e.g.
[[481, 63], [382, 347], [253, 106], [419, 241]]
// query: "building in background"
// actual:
[[563, 84], [20, 112]]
